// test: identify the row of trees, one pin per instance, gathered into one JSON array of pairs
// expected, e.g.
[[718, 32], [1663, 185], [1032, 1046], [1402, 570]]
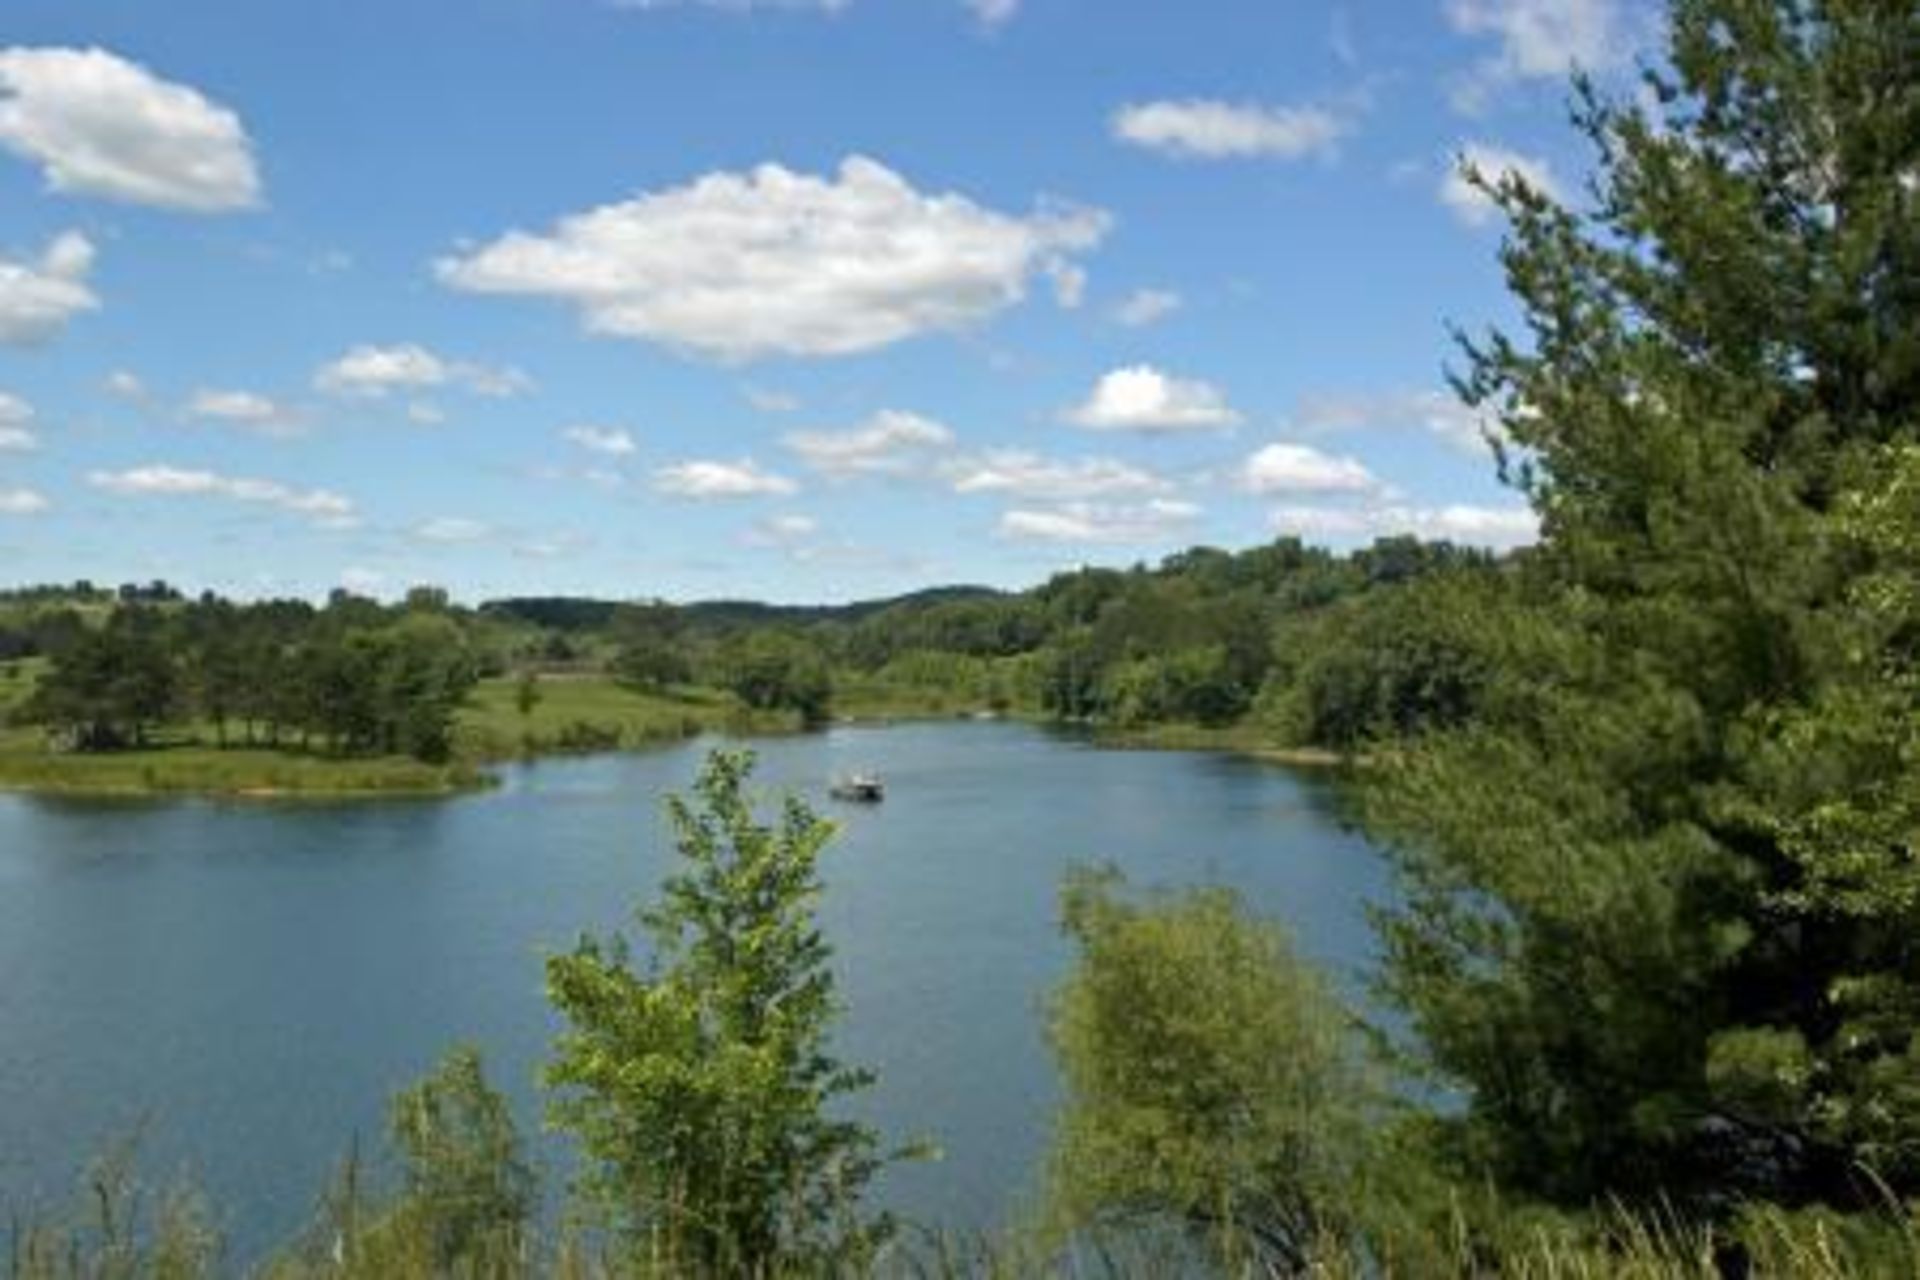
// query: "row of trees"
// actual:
[[272, 674]]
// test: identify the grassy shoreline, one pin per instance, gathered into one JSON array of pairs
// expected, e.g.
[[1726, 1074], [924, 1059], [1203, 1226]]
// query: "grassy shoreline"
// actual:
[[571, 715]]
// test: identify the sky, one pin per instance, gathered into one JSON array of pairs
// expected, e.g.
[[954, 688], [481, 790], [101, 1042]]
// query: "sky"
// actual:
[[799, 300]]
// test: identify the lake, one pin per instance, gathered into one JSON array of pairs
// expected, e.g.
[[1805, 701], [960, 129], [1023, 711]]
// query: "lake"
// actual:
[[247, 983]]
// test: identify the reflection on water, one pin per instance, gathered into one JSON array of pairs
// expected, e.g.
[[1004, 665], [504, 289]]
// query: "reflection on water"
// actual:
[[252, 981]]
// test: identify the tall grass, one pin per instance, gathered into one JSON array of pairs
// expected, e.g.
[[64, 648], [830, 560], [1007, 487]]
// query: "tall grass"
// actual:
[[119, 1229]]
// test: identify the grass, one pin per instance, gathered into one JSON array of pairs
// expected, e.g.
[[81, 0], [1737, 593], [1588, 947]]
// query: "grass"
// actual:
[[593, 713], [572, 714]]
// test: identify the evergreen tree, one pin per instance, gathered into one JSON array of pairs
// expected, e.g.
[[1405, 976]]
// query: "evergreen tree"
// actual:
[[1660, 914]]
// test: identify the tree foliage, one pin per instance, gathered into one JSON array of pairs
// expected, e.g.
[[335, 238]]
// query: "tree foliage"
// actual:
[[1659, 920], [1212, 1084], [701, 1087]]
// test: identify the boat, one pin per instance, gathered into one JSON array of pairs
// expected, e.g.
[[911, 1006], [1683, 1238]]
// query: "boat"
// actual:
[[866, 788]]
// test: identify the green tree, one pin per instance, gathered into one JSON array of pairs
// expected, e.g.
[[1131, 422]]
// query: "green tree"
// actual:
[[772, 670], [1655, 921], [468, 1189], [701, 1087], [1212, 1083]]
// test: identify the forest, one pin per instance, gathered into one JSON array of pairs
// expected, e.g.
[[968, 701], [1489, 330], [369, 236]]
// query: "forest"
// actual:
[[1650, 790]]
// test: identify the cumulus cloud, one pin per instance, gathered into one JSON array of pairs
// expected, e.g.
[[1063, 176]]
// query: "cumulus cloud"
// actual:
[[1142, 398], [1299, 468], [159, 479], [22, 502], [737, 266], [1146, 306], [1155, 520], [99, 125], [371, 372], [1020, 474], [994, 13], [452, 529], [1438, 412], [16, 425], [1546, 38], [1497, 527], [1207, 129], [615, 442], [891, 442], [244, 409], [1498, 165], [39, 296], [702, 479]]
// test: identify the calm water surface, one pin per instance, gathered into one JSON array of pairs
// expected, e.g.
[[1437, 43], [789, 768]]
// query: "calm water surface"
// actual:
[[248, 983]]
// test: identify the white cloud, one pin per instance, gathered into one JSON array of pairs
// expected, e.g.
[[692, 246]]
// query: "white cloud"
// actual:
[[373, 371], [38, 298], [1497, 164], [615, 442], [245, 409], [16, 425], [362, 581], [891, 442], [772, 401], [1299, 468], [1088, 522], [1497, 527], [159, 479], [1206, 129], [123, 385], [425, 413], [711, 479], [1146, 306], [736, 266], [1546, 38], [1439, 412], [452, 529], [1069, 280], [789, 531], [22, 502], [1142, 398], [1028, 475], [994, 13], [100, 125]]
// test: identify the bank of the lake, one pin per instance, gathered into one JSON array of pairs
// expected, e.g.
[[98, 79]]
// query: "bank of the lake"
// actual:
[[570, 715], [283, 969]]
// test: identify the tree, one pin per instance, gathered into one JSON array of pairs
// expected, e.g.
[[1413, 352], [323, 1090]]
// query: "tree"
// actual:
[[772, 670], [526, 693], [1211, 1080], [467, 1185], [1654, 920], [700, 1087]]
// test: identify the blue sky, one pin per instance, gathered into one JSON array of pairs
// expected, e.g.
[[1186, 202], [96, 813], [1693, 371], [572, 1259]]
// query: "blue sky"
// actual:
[[797, 300]]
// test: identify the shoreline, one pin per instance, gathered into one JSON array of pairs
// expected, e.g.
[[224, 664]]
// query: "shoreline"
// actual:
[[258, 775]]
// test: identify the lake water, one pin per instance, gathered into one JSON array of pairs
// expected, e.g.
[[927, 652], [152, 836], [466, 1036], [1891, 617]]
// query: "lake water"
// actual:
[[248, 983]]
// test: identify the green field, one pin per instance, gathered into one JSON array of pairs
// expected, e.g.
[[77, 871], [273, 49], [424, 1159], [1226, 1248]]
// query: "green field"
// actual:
[[593, 713], [572, 714]]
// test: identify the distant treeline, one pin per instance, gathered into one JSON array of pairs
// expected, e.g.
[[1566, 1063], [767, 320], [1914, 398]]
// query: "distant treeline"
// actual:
[[1313, 646]]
